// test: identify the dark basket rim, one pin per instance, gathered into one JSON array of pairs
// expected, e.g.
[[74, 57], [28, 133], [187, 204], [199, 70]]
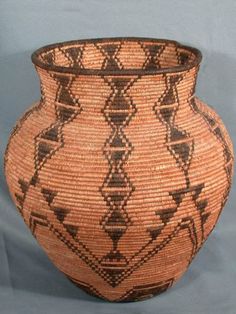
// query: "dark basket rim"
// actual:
[[62, 69]]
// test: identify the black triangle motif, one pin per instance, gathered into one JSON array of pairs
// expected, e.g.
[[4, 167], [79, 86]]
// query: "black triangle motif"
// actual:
[[65, 113], [48, 195], [166, 214], [175, 79], [115, 234], [19, 198], [51, 134], [118, 118], [120, 83], [166, 114], [182, 150], [152, 63], [119, 102], [110, 49], [177, 196], [201, 205], [76, 54], [114, 256], [183, 58], [169, 97], [117, 141], [49, 58], [197, 191], [110, 62], [176, 134], [65, 97], [117, 155], [116, 218], [35, 179], [154, 232], [71, 229], [23, 185], [60, 213], [205, 217], [44, 149]]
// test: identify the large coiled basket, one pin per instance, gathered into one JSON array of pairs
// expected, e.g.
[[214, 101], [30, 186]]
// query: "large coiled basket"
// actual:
[[119, 170]]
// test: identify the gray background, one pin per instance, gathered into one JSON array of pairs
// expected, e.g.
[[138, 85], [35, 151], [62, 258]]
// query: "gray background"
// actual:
[[29, 283]]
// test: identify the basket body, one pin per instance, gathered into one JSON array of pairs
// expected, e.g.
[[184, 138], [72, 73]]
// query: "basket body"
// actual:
[[120, 175]]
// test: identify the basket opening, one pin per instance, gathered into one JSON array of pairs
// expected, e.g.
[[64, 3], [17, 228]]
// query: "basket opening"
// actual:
[[117, 56]]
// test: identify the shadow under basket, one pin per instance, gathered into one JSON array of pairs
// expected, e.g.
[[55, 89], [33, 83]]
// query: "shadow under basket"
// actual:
[[119, 170]]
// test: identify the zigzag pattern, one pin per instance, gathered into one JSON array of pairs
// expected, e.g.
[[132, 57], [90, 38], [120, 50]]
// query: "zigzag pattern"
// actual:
[[216, 130], [181, 146], [48, 142]]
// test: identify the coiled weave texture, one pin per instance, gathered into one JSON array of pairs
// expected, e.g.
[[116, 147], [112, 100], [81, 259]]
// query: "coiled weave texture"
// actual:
[[119, 170]]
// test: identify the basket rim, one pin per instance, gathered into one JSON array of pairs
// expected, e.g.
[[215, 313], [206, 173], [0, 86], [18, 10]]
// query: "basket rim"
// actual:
[[102, 72]]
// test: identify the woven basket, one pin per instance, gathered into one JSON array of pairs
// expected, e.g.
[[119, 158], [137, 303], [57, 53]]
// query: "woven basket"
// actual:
[[119, 170]]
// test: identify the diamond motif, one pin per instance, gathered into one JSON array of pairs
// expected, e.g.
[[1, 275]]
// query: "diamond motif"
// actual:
[[152, 53], [110, 52], [117, 187], [75, 56]]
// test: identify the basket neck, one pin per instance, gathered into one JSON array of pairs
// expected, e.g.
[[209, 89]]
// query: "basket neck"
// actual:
[[68, 89]]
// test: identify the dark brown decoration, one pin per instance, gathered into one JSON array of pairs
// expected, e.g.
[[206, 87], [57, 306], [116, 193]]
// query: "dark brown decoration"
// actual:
[[120, 171]]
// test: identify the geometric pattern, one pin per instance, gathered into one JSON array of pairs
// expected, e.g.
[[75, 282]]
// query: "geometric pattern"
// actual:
[[140, 115], [74, 56], [214, 127], [142, 292], [152, 53], [216, 130], [181, 146], [137, 293], [136, 261], [179, 143], [67, 107], [25, 117], [117, 187], [110, 52], [49, 141]]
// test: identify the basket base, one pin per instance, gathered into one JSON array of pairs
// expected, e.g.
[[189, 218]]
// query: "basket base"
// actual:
[[138, 293]]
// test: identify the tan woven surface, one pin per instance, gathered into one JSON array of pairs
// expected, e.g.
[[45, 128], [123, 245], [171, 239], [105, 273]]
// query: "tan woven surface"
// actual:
[[120, 171]]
